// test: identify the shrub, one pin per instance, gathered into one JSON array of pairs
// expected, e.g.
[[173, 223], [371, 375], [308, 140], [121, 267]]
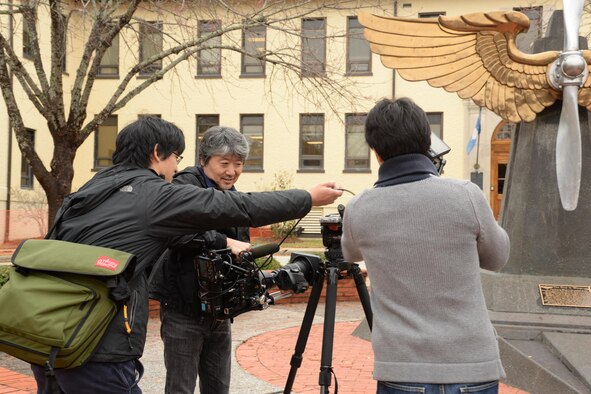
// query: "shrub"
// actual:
[[282, 181], [272, 265]]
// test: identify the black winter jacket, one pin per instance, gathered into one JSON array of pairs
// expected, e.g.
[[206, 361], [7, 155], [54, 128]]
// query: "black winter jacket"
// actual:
[[143, 215], [174, 281]]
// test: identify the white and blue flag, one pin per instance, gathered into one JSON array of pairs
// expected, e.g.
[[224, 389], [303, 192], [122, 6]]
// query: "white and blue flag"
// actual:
[[475, 134]]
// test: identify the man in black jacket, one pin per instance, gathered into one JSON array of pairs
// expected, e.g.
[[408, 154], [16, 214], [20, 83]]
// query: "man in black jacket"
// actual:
[[195, 344], [141, 217]]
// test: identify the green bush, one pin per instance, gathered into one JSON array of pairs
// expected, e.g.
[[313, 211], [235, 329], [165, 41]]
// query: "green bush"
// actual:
[[282, 181], [4, 270], [272, 265]]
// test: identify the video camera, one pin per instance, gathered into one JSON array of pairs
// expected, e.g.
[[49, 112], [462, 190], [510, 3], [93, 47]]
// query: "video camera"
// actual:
[[230, 286]]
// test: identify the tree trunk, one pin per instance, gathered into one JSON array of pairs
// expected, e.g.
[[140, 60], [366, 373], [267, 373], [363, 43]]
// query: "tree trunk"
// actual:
[[60, 185]]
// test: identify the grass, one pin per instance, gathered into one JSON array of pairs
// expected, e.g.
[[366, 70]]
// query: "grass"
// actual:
[[294, 243]]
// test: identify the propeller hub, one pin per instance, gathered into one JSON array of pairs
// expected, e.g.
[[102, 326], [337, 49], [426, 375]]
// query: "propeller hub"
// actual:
[[573, 65], [569, 69]]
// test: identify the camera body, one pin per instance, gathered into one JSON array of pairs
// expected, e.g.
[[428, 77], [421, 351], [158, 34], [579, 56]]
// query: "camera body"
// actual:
[[230, 286], [331, 228]]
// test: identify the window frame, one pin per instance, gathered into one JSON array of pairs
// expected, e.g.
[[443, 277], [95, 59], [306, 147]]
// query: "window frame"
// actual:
[[301, 157], [102, 65], [197, 131], [350, 37], [521, 40], [244, 57], [28, 47], [96, 158], [304, 70], [201, 31], [27, 176], [146, 30], [247, 166], [431, 14], [348, 169]]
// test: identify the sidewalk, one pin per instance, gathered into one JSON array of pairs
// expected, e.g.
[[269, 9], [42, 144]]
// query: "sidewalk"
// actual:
[[263, 343]]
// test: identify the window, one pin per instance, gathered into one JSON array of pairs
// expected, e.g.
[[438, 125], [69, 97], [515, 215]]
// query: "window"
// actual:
[[104, 142], [312, 142], [505, 132], [140, 116], [525, 41], [209, 61], [356, 149], [151, 39], [28, 42], [252, 127], [433, 14], [358, 53], [65, 43], [26, 169], [436, 123], [109, 66], [313, 47], [204, 123], [254, 42]]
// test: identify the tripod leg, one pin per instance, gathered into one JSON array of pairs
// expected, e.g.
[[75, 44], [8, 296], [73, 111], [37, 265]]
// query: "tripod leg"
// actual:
[[296, 358], [328, 334], [363, 294]]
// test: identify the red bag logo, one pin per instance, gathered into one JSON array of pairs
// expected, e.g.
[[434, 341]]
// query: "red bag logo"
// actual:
[[107, 262]]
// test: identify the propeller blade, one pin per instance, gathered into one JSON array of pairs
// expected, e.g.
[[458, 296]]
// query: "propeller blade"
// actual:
[[572, 13], [568, 149]]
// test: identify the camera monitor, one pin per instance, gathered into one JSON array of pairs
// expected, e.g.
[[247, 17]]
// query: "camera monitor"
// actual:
[[437, 149]]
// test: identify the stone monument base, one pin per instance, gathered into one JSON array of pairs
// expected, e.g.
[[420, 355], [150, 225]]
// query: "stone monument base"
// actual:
[[544, 349]]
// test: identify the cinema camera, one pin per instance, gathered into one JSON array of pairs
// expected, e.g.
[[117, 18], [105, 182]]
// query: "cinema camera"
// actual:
[[230, 286]]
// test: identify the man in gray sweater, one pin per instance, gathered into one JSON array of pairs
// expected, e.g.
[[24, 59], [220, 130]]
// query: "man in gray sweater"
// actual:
[[424, 240]]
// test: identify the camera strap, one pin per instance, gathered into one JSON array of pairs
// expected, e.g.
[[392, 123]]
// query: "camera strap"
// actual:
[[407, 168]]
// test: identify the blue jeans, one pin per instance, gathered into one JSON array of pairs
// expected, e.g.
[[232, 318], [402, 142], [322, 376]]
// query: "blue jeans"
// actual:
[[405, 388], [195, 346], [93, 378]]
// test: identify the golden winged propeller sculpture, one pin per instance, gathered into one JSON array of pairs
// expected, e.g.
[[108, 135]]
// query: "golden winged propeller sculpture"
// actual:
[[476, 57]]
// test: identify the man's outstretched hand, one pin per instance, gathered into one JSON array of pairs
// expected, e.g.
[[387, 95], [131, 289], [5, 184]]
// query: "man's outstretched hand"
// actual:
[[324, 193]]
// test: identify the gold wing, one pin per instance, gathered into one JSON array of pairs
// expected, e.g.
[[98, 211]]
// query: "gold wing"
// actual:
[[585, 90], [473, 55]]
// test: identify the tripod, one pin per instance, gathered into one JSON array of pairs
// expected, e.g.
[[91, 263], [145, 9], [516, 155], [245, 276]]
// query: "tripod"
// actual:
[[331, 272]]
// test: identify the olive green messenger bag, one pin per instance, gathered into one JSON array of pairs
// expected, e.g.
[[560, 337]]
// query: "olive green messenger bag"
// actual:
[[59, 300]]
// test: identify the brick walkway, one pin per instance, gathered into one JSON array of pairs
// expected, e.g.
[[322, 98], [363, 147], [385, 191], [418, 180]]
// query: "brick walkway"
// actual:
[[16, 383], [267, 357]]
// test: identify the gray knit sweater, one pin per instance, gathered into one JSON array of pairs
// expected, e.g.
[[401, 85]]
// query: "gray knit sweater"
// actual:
[[424, 244]]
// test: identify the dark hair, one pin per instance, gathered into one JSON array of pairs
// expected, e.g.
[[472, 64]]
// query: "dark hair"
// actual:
[[397, 127], [135, 143], [222, 141]]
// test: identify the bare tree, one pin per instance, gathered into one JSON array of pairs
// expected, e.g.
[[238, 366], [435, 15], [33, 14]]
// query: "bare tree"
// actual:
[[103, 21], [33, 207]]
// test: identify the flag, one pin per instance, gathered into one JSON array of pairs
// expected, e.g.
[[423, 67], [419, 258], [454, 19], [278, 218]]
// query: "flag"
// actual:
[[475, 134]]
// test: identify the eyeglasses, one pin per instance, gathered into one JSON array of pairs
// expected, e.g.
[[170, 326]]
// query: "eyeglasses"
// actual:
[[178, 157]]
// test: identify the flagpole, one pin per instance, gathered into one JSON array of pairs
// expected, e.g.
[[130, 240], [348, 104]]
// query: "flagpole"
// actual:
[[476, 165]]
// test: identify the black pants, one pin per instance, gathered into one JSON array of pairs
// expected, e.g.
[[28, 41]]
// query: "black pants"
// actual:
[[93, 378]]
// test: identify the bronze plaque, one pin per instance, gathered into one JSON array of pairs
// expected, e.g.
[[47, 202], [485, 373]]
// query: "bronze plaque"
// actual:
[[566, 295]]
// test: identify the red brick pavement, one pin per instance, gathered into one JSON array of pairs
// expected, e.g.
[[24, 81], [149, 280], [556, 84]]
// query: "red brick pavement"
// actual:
[[267, 357], [16, 383]]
